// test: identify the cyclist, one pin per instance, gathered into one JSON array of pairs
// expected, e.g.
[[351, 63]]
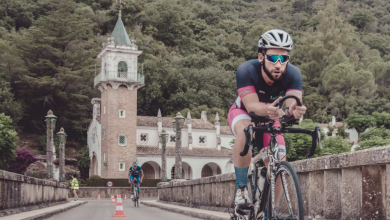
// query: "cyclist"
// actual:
[[261, 83], [134, 172]]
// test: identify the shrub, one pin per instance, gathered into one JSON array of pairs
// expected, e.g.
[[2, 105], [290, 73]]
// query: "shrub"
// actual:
[[373, 141], [24, 158], [335, 145]]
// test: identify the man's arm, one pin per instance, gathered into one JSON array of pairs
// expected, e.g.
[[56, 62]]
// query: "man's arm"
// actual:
[[294, 109], [252, 104], [142, 176]]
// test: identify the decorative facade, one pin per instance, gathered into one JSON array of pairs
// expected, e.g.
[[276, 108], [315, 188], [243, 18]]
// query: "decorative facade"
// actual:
[[117, 136]]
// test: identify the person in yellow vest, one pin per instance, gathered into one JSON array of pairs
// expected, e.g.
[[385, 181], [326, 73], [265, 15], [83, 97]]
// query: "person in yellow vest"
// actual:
[[75, 186]]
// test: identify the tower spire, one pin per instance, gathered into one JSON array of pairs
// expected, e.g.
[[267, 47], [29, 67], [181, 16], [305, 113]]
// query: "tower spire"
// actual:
[[121, 4]]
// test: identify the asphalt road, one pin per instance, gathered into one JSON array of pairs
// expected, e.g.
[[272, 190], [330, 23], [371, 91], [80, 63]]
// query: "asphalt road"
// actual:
[[104, 209]]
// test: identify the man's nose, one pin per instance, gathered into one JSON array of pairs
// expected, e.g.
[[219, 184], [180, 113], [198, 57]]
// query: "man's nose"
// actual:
[[278, 64]]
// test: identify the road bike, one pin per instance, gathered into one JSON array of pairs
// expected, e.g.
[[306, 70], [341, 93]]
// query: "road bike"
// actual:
[[267, 203], [135, 196]]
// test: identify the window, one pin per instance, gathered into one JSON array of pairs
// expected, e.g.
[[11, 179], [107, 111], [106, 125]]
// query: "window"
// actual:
[[104, 109], [103, 133], [172, 139], [122, 69], [122, 166], [122, 140], [121, 113], [202, 141], [143, 138]]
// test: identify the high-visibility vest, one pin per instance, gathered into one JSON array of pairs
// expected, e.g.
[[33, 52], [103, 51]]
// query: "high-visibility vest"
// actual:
[[75, 184]]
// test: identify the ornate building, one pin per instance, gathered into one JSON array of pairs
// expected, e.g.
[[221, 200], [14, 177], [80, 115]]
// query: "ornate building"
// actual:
[[117, 136]]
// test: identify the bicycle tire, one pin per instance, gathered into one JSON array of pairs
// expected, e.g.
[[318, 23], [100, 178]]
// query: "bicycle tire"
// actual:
[[290, 199], [135, 196]]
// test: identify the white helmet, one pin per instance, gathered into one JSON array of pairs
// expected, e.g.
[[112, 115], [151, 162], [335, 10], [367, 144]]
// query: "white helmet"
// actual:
[[275, 38], [135, 163]]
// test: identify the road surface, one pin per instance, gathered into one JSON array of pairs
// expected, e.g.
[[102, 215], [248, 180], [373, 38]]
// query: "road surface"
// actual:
[[104, 209]]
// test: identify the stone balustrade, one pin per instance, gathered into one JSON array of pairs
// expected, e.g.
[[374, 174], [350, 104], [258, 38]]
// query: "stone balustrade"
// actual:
[[353, 185], [22, 193], [106, 192]]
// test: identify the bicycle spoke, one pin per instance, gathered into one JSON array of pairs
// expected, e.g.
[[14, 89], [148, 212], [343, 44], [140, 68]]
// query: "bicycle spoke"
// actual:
[[285, 188], [289, 205]]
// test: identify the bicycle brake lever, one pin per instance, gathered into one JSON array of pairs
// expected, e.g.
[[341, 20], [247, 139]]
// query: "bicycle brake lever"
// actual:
[[319, 137]]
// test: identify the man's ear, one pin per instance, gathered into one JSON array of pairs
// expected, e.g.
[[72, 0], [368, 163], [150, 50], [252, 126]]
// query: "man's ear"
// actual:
[[260, 57]]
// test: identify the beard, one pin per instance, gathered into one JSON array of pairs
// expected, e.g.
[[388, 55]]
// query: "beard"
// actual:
[[269, 74]]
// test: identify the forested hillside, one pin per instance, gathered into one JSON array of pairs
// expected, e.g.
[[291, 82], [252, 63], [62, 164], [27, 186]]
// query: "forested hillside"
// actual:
[[191, 50]]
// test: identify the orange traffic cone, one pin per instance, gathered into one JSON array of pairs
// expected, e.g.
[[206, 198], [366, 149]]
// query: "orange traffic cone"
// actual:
[[98, 197], [119, 208], [125, 197], [112, 199]]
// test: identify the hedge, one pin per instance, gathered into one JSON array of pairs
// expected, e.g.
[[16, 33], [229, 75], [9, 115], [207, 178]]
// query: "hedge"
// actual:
[[122, 182]]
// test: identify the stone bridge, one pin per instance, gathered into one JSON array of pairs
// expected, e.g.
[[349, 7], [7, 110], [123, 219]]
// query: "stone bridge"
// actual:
[[353, 185]]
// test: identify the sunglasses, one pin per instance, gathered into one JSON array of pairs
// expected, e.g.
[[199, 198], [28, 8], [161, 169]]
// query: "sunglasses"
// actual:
[[274, 58]]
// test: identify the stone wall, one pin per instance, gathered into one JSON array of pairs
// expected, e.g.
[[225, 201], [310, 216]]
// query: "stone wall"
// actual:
[[105, 192], [353, 185], [19, 191]]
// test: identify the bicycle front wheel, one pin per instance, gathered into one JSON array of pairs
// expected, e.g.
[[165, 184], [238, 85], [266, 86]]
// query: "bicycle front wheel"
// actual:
[[288, 203]]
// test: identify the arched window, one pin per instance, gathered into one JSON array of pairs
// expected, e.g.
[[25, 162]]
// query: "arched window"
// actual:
[[122, 69]]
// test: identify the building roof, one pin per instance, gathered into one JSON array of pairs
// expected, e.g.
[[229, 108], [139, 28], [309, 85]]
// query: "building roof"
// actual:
[[120, 34], [195, 152], [338, 124], [150, 121], [226, 130]]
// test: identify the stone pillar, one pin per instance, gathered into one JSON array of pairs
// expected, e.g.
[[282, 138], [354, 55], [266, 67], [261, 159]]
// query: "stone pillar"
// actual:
[[217, 126], [372, 207], [178, 162], [316, 193], [179, 121], [62, 140], [164, 163], [351, 193], [50, 150], [332, 194], [159, 126], [189, 127]]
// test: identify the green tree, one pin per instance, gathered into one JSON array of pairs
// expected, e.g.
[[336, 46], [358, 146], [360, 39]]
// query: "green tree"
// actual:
[[361, 18], [83, 162], [360, 122], [8, 138], [8, 105], [59, 56]]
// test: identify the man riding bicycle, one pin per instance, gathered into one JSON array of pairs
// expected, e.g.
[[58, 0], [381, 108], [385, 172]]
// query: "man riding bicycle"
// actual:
[[135, 171], [261, 83]]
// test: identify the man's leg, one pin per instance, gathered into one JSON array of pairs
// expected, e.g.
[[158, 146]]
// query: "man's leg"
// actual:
[[241, 164], [138, 182], [74, 194], [131, 184]]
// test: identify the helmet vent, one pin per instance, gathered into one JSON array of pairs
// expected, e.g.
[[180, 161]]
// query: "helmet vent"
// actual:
[[273, 36], [281, 37], [286, 39]]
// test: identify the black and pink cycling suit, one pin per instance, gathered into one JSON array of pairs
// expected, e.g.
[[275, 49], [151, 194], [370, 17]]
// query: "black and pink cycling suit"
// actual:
[[250, 80]]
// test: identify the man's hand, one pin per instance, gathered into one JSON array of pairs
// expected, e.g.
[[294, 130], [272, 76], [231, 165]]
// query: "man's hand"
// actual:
[[297, 111], [273, 112], [141, 180]]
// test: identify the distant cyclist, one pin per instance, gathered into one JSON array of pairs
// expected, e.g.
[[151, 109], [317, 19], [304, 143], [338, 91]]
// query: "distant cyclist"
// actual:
[[135, 171], [260, 83]]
